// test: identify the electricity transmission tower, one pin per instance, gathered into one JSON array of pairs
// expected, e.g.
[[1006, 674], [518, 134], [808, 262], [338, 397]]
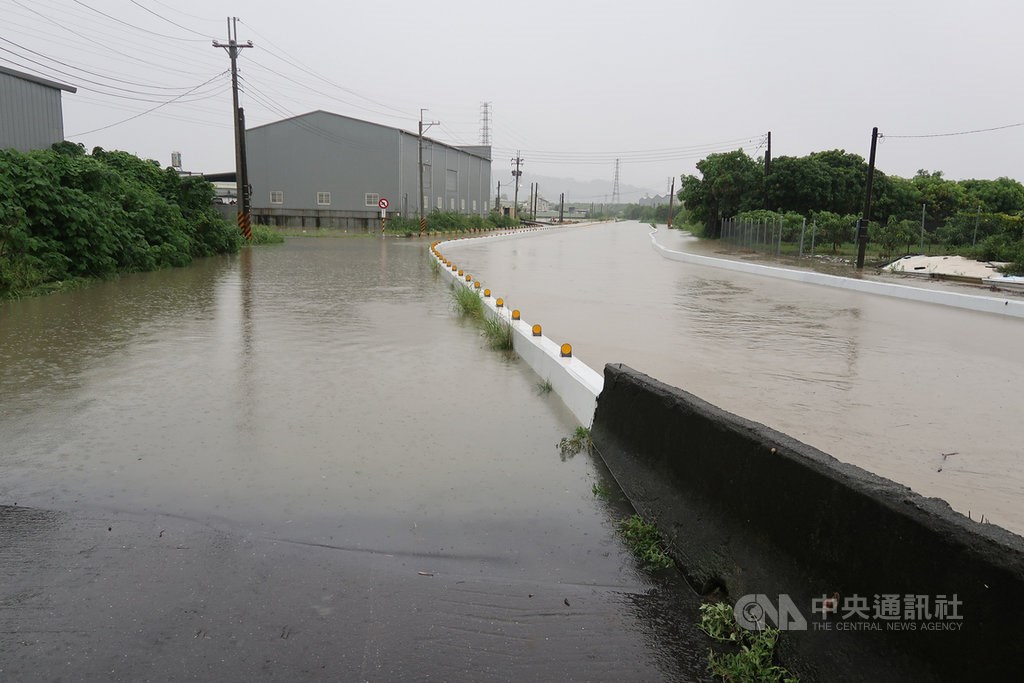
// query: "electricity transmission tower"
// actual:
[[485, 123], [615, 185]]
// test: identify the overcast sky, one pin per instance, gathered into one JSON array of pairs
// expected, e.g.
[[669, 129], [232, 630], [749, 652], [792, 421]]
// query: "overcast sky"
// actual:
[[657, 84]]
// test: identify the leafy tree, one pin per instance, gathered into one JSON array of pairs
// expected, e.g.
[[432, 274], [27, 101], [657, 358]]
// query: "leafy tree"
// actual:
[[1002, 195], [943, 198], [731, 182], [848, 175], [801, 184]]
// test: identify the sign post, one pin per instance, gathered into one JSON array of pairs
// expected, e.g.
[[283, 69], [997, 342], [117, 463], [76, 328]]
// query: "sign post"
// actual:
[[383, 204]]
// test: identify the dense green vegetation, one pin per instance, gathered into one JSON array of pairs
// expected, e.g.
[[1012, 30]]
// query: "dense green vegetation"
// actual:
[[449, 221], [979, 218], [66, 215]]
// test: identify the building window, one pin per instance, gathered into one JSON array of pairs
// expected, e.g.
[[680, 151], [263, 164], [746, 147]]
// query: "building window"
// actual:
[[372, 199], [451, 203], [474, 206], [440, 203], [276, 197], [426, 202], [463, 206], [323, 198]]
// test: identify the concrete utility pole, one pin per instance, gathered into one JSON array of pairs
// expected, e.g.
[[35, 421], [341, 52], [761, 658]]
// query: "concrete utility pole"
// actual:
[[536, 198], [241, 175], [423, 221], [671, 193], [767, 167], [561, 208], [516, 173], [497, 199], [862, 225]]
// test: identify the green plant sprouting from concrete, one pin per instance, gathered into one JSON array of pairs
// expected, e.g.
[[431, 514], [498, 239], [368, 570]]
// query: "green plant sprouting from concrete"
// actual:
[[498, 333], [580, 441], [646, 542], [753, 661], [601, 491], [544, 386], [467, 302]]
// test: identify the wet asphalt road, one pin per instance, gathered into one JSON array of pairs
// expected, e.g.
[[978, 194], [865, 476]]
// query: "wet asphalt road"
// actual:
[[298, 464]]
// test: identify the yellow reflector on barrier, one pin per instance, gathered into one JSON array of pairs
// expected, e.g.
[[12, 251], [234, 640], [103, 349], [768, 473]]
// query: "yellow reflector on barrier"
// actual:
[[536, 330], [566, 350]]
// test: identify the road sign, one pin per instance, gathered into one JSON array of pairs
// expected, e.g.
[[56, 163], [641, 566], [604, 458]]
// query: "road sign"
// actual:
[[383, 203]]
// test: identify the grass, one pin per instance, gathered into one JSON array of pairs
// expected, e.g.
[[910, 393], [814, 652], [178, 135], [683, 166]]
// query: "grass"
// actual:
[[579, 441], [601, 491], [753, 661], [435, 267], [544, 386], [646, 542], [467, 302], [498, 333], [264, 234]]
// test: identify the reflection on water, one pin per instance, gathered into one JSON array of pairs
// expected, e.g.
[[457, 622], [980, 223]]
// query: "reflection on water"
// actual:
[[886, 384]]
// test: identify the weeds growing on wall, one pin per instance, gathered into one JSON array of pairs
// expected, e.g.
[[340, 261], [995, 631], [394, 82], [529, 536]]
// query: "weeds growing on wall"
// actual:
[[753, 660]]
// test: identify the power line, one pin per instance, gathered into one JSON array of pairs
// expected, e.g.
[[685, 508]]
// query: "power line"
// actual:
[[949, 135], [138, 28], [173, 23], [131, 118]]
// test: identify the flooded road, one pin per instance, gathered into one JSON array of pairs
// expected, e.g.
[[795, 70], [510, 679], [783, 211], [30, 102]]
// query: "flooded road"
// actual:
[[926, 395], [298, 463]]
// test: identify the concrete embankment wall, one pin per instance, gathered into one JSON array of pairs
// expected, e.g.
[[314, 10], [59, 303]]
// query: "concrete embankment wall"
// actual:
[[986, 304], [753, 511], [572, 380]]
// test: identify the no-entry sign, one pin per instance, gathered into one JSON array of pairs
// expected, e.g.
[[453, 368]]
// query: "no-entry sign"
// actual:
[[383, 203]]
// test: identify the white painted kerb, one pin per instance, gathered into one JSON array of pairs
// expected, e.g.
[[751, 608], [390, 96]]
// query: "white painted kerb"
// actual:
[[984, 304], [575, 382]]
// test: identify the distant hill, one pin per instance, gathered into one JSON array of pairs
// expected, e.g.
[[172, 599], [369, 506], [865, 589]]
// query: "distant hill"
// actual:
[[576, 191]]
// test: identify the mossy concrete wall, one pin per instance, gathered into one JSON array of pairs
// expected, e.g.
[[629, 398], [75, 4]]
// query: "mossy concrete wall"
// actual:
[[750, 510]]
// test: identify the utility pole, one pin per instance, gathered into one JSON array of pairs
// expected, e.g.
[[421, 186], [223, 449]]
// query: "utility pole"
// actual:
[[561, 208], [516, 173], [241, 176], [497, 199], [529, 203], [767, 167], [423, 221], [862, 224], [536, 199], [671, 193]]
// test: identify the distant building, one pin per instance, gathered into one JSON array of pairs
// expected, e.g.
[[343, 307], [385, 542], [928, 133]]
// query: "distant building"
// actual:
[[656, 200], [326, 170], [31, 116]]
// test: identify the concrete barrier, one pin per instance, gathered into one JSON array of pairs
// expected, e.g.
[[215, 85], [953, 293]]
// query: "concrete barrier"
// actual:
[[984, 304], [750, 510], [572, 380]]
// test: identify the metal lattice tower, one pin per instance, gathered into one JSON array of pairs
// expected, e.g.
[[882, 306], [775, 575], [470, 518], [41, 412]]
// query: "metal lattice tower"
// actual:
[[485, 123], [615, 185]]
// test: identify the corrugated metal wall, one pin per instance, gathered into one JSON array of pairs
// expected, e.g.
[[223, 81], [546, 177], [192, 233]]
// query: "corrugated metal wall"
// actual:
[[323, 152], [30, 114]]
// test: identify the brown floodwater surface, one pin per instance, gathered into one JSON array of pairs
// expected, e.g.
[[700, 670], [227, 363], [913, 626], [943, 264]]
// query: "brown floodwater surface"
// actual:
[[927, 395]]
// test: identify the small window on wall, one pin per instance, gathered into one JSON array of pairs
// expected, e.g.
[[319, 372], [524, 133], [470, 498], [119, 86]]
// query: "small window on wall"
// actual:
[[276, 197], [451, 203], [372, 199], [323, 198], [474, 206], [426, 202], [440, 203], [463, 206]]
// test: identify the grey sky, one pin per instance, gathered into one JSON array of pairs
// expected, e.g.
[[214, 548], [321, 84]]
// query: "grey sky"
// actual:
[[658, 84]]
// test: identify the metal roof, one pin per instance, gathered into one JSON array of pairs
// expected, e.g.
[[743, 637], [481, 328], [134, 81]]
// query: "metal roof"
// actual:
[[36, 79]]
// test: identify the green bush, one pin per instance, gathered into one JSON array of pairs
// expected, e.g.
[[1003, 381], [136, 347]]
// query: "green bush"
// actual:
[[65, 214]]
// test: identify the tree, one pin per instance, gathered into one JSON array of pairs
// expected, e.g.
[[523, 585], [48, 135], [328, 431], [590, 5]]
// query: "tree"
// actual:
[[944, 197], [1002, 195], [801, 184], [731, 182], [848, 174]]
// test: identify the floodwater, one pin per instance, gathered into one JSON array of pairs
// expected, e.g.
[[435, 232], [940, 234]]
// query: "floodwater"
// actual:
[[926, 395], [299, 463]]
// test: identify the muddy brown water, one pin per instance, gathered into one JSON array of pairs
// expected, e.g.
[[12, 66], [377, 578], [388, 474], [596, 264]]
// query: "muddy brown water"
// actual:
[[927, 395], [299, 463]]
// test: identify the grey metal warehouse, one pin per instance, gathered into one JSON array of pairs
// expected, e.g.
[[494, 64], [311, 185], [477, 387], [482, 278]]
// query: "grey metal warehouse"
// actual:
[[329, 171], [31, 116]]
